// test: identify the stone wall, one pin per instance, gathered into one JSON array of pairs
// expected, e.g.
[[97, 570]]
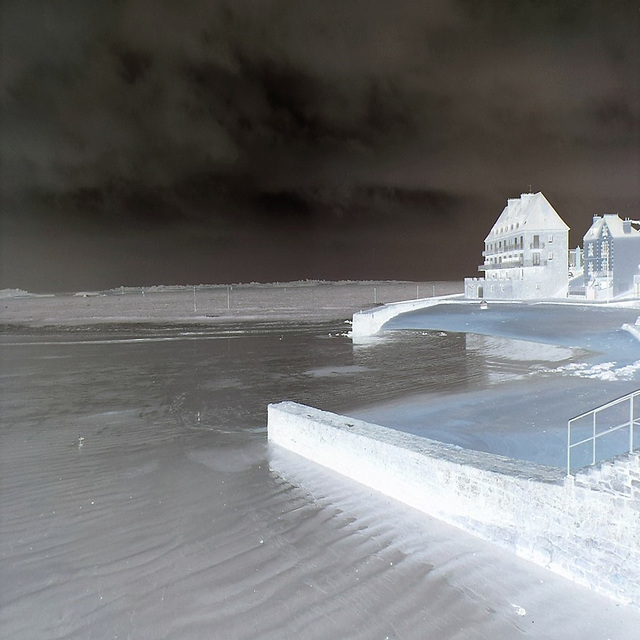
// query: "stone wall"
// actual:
[[619, 476], [585, 528], [369, 322]]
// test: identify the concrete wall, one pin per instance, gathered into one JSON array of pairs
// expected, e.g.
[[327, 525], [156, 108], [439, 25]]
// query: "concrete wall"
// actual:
[[369, 322], [585, 528]]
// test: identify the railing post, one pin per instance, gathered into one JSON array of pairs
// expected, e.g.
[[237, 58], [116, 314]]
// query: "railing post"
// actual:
[[569, 448], [594, 437], [631, 421]]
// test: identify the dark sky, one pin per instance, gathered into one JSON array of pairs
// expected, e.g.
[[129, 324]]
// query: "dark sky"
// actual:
[[202, 141]]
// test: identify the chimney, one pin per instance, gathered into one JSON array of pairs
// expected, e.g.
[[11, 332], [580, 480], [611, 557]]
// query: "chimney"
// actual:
[[626, 225], [596, 217]]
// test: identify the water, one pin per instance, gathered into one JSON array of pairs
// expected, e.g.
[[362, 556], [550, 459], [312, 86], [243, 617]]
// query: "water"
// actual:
[[595, 328], [140, 499], [533, 367]]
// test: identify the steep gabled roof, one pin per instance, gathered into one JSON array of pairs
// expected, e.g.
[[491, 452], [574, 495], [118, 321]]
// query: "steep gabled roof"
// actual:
[[531, 211], [594, 230], [614, 224]]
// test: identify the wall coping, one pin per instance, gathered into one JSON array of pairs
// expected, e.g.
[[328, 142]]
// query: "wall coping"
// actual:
[[490, 462]]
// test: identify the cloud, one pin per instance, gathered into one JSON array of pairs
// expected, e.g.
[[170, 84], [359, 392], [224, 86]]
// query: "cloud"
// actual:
[[221, 116]]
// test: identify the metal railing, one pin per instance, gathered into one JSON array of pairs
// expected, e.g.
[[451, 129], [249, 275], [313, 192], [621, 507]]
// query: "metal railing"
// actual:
[[630, 422], [513, 264], [505, 264]]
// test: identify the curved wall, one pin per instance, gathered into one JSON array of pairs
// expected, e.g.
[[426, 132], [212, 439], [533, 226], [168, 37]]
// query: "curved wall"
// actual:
[[369, 322]]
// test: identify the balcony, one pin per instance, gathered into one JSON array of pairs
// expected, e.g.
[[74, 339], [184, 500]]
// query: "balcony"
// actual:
[[512, 264], [507, 249], [505, 264]]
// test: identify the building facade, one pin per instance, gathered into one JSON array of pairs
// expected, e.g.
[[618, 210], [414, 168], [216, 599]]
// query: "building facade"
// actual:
[[611, 257], [525, 254]]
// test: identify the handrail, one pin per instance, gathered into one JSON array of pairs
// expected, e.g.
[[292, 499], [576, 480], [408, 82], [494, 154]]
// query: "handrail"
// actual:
[[631, 423], [605, 406]]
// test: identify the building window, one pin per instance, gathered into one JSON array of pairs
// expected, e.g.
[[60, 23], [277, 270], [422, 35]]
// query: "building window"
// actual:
[[550, 255], [536, 259], [536, 242], [550, 238]]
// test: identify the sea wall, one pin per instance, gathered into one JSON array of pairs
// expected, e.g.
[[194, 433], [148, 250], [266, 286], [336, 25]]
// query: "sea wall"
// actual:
[[586, 528], [633, 329], [369, 322]]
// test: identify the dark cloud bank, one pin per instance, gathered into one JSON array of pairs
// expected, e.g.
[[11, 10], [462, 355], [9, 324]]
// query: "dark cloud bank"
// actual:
[[153, 141]]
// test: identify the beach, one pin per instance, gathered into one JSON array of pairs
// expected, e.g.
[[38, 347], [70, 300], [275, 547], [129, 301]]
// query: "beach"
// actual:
[[303, 301], [140, 498]]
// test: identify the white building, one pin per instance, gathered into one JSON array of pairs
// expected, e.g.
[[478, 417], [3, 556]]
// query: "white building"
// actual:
[[525, 254], [611, 257]]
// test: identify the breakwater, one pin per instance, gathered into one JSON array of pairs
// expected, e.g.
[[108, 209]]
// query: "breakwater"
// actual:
[[368, 322]]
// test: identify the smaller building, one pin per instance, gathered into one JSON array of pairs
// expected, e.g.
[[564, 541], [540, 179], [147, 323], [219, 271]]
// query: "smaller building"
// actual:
[[611, 257], [526, 253]]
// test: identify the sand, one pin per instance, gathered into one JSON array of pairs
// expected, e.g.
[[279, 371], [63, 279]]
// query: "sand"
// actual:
[[214, 304]]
